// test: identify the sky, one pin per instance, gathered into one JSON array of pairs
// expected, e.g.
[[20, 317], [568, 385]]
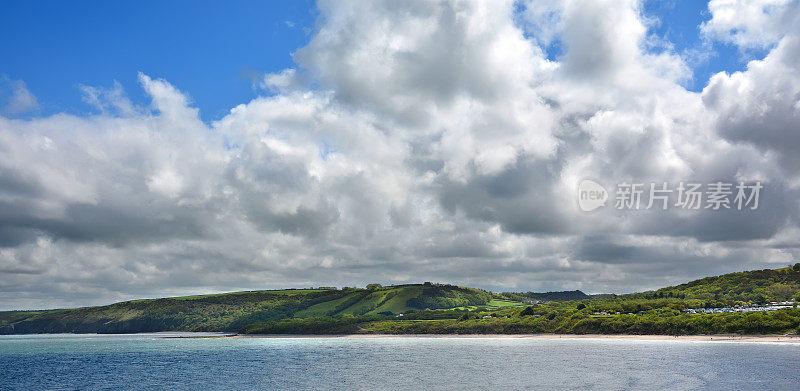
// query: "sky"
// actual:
[[214, 51], [150, 149]]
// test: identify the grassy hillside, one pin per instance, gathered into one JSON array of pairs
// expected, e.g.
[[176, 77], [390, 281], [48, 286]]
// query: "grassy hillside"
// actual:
[[749, 287], [232, 311], [658, 312], [756, 286], [432, 308]]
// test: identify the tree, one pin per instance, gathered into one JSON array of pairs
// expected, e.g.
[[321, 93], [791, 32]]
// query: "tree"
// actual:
[[373, 286], [528, 311], [580, 306], [796, 267]]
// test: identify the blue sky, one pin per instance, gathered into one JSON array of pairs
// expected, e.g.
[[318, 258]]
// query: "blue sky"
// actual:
[[678, 21], [209, 49], [213, 51]]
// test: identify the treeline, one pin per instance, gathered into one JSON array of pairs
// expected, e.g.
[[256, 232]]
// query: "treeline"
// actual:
[[448, 296], [756, 286], [665, 323], [346, 324], [547, 296], [574, 322]]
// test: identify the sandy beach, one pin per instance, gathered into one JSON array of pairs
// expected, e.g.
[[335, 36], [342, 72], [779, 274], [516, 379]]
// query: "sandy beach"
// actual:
[[707, 338]]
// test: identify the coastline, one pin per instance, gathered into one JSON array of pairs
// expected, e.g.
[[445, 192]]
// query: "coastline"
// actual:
[[770, 338], [699, 338]]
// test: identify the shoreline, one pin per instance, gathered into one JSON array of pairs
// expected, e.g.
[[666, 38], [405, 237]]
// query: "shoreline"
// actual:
[[770, 338], [701, 338]]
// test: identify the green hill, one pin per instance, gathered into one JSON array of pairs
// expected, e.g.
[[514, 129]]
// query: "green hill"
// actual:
[[549, 296], [756, 286], [434, 308], [232, 311], [736, 300]]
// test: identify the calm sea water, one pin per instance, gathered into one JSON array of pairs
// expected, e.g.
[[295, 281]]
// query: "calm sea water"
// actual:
[[145, 362]]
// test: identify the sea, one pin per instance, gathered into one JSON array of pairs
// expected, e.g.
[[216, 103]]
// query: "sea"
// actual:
[[195, 362]]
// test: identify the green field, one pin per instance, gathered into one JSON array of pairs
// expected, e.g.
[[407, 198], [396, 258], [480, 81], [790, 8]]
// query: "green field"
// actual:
[[495, 303]]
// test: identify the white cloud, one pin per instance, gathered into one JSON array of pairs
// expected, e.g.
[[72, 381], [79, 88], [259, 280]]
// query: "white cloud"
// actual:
[[108, 100], [16, 99], [759, 106], [440, 145], [752, 23]]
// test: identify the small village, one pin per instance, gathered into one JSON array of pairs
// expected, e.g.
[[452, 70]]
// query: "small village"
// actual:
[[772, 306]]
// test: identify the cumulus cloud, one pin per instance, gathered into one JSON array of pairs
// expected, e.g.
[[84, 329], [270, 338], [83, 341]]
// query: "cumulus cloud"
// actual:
[[751, 23], [413, 141], [761, 106]]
